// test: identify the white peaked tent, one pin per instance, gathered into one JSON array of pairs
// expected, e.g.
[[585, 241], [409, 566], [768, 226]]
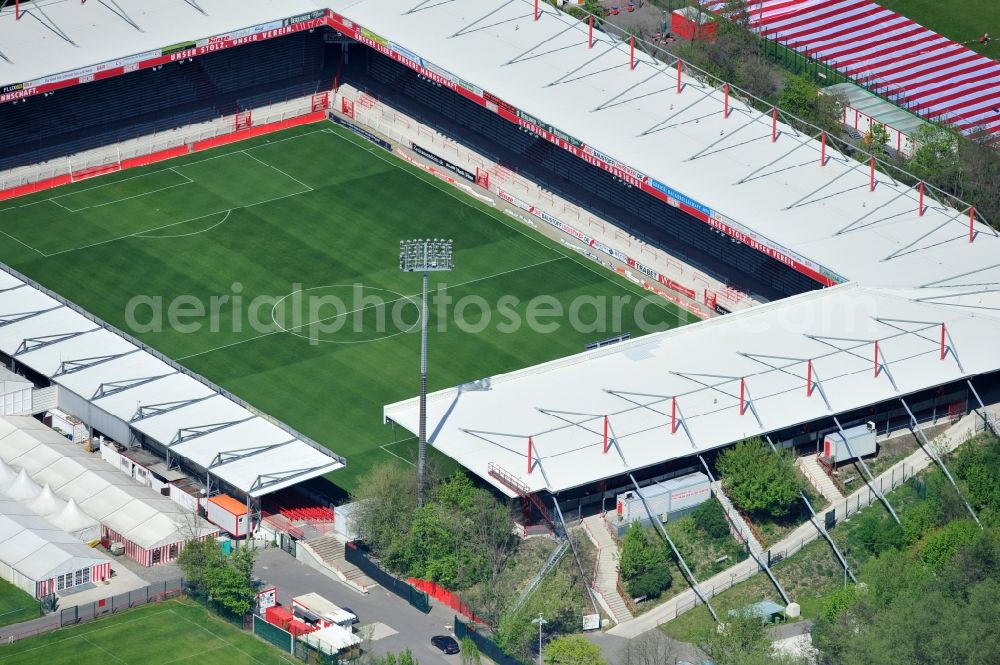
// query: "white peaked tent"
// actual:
[[46, 503], [74, 521], [23, 488], [7, 476]]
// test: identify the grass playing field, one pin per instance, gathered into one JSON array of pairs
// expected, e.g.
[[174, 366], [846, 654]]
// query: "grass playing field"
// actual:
[[175, 631], [310, 211], [16, 605], [963, 22]]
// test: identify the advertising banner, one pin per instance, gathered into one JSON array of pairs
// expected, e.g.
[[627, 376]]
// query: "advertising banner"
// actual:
[[440, 161], [362, 132]]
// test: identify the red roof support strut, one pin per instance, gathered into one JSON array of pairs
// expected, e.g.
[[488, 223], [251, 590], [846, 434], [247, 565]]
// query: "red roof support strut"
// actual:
[[774, 124], [920, 205], [679, 76], [725, 112], [871, 185], [743, 395], [809, 378], [631, 54], [673, 416], [972, 220], [590, 33], [17, 10], [605, 435], [536, 10], [822, 154], [876, 358], [530, 465], [942, 340]]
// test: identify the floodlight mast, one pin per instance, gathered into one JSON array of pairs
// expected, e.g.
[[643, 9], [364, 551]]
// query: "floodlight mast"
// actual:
[[425, 256]]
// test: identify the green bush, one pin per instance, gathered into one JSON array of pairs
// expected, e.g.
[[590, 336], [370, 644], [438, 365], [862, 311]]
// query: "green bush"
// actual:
[[877, 534], [941, 546], [643, 564], [759, 479], [710, 519], [920, 518], [651, 583]]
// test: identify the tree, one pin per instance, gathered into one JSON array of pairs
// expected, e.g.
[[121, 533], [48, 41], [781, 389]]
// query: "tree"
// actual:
[[650, 648], [572, 650], [386, 499], [759, 479], [643, 565], [710, 518], [940, 547], [936, 157], [227, 582], [875, 138], [743, 635]]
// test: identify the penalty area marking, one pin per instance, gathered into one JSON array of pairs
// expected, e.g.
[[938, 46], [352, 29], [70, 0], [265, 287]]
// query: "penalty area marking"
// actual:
[[184, 235]]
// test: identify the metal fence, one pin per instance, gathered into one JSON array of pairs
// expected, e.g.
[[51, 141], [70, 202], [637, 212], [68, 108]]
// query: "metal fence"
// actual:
[[485, 645], [151, 593], [403, 589]]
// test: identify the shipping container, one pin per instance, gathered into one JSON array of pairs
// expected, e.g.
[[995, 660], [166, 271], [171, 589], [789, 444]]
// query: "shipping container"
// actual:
[[317, 608], [228, 513], [861, 439], [667, 500]]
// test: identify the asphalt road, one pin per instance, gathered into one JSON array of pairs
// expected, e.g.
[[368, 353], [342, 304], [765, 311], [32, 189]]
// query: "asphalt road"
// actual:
[[413, 628]]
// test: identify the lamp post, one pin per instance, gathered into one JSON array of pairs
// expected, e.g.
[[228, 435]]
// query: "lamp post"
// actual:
[[541, 622], [426, 256]]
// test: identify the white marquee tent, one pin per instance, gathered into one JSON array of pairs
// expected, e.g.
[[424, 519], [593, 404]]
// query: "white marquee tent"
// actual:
[[39, 558], [152, 527]]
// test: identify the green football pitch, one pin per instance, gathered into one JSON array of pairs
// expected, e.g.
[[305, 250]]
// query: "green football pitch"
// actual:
[[290, 245], [175, 631], [16, 605]]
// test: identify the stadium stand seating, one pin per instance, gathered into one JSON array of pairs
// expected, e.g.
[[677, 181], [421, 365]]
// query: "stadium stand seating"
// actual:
[[140, 103], [295, 506], [642, 216]]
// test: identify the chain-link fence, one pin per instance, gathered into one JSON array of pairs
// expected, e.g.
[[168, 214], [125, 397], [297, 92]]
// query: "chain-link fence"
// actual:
[[403, 589]]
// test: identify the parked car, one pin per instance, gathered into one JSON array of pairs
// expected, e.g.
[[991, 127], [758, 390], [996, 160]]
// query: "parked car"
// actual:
[[445, 643]]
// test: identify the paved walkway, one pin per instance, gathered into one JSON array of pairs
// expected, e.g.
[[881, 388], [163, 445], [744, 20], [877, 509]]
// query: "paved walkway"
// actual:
[[804, 533]]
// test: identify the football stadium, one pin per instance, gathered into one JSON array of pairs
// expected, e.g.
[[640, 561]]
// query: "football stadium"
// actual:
[[201, 209]]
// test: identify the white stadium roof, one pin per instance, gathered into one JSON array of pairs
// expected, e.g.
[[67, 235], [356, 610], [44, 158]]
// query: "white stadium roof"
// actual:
[[160, 399], [767, 350], [671, 140]]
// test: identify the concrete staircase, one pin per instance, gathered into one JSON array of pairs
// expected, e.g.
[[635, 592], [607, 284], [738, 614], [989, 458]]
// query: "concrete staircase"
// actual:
[[329, 550], [606, 577], [811, 468]]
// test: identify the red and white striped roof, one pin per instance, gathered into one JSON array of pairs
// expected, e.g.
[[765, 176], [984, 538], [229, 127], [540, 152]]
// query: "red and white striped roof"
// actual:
[[926, 73]]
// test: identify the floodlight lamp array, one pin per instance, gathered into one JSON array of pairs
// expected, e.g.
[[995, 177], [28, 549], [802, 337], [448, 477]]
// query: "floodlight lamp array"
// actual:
[[425, 255]]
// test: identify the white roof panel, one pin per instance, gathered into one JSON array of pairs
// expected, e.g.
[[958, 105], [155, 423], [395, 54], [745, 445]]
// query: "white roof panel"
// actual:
[[123, 372], [91, 347], [200, 416], [100, 34], [764, 352]]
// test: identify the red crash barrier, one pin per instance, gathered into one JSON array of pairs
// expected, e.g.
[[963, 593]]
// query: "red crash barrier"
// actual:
[[259, 130], [442, 595]]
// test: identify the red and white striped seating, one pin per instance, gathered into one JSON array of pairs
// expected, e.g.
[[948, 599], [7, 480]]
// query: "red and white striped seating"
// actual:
[[922, 71]]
